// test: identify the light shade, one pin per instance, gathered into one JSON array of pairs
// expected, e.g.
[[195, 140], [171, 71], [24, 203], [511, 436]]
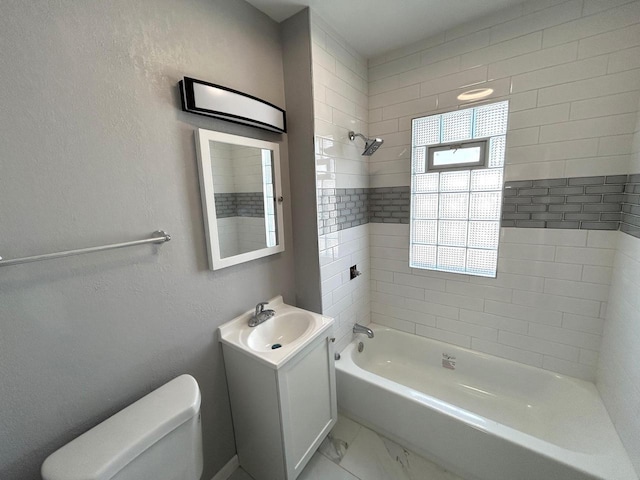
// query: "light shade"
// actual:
[[475, 94], [221, 102]]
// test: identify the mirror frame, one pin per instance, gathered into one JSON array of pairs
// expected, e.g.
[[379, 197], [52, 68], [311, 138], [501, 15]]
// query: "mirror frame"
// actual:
[[203, 137]]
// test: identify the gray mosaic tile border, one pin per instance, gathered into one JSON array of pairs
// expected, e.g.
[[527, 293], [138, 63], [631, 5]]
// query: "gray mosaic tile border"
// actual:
[[587, 203], [225, 205], [630, 221], [341, 208], [249, 204], [389, 204]]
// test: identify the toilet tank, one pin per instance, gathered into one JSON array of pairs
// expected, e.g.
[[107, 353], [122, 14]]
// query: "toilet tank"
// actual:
[[158, 437]]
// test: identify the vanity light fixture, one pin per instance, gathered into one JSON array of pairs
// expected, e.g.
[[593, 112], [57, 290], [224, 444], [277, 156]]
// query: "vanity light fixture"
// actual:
[[475, 94], [204, 98]]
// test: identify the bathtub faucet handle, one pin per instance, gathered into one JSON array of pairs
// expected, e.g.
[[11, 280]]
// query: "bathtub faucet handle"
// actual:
[[357, 328]]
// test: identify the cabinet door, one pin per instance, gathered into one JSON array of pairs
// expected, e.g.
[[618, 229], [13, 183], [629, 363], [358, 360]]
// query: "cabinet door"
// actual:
[[307, 389]]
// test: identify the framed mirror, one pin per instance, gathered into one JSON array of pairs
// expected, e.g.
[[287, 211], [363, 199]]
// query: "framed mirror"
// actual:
[[240, 185]]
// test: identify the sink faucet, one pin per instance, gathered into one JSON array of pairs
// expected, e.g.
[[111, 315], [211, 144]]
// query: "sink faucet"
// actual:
[[261, 315], [357, 328]]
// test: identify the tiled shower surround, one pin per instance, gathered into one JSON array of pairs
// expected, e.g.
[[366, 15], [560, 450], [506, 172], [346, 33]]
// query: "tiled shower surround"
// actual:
[[570, 70], [585, 203], [546, 307]]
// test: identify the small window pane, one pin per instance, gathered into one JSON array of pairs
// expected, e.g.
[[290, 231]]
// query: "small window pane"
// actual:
[[451, 259], [485, 206], [426, 130], [423, 256], [489, 179], [454, 206], [425, 206], [427, 183], [491, 120], [454, 181], [456, 126], [419, 160], [457, 156], [484, 234], [452, 233], [497, 147], [482, 262], [425, 231]]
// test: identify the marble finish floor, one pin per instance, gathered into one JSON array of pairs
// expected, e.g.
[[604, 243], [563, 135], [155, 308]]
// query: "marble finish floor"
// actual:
[[354, 452]]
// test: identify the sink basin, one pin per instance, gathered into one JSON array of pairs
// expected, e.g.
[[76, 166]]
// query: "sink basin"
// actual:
[[279, 331], [278, 339]]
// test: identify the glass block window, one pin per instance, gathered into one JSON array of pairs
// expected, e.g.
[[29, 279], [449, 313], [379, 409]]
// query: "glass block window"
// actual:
[[457, 171], [456, 126]]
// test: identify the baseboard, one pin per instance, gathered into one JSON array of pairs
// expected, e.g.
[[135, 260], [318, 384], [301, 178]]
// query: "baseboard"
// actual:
[[226, 471]]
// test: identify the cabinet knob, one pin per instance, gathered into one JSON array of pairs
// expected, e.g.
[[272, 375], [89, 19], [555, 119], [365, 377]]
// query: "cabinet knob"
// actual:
[[332, 339]]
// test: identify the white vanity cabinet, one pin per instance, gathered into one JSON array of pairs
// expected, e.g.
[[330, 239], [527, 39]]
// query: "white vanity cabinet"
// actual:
[[281, 409]]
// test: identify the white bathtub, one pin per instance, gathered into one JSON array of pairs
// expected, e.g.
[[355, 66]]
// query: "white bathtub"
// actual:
[[487, 419]]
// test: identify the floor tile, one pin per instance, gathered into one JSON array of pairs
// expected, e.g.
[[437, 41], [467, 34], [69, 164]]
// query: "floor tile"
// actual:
[[318, 468], [337, 442], [370, 456], [321, 468], [368, 459], [415, 466], [354, 452], [240, 474]]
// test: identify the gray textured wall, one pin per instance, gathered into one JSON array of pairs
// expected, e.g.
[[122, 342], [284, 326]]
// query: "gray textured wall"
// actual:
[[94, 149], [296, 48]]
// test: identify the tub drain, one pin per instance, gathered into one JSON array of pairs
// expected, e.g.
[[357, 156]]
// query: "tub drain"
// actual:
[[360, 347], [275, 345]]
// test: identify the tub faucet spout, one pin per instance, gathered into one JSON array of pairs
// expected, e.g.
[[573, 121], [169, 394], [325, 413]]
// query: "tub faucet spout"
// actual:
[[357, 328]]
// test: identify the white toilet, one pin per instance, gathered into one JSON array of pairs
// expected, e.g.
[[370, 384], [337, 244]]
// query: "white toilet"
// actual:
[[159, 437]]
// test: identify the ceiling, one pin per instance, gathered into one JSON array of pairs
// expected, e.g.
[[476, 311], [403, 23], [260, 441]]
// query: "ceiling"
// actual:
[[373, 27]]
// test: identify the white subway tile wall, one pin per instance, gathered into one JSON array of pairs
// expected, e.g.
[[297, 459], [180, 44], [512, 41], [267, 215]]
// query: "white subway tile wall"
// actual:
[[618, 376], [346, 300], [571, 72], [572, 75], [340, 105], [544, 309]]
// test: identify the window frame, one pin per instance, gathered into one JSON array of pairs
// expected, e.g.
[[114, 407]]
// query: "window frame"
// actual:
[[471, 143]]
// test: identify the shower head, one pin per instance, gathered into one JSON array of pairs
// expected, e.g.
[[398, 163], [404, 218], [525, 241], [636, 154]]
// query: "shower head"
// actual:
[[370, 144]]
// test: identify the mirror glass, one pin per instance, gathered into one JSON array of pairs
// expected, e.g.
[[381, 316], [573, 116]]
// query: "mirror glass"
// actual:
[[240, 185]]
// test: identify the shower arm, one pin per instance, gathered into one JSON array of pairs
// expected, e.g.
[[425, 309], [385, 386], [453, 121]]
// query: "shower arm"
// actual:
[[353, 135]]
